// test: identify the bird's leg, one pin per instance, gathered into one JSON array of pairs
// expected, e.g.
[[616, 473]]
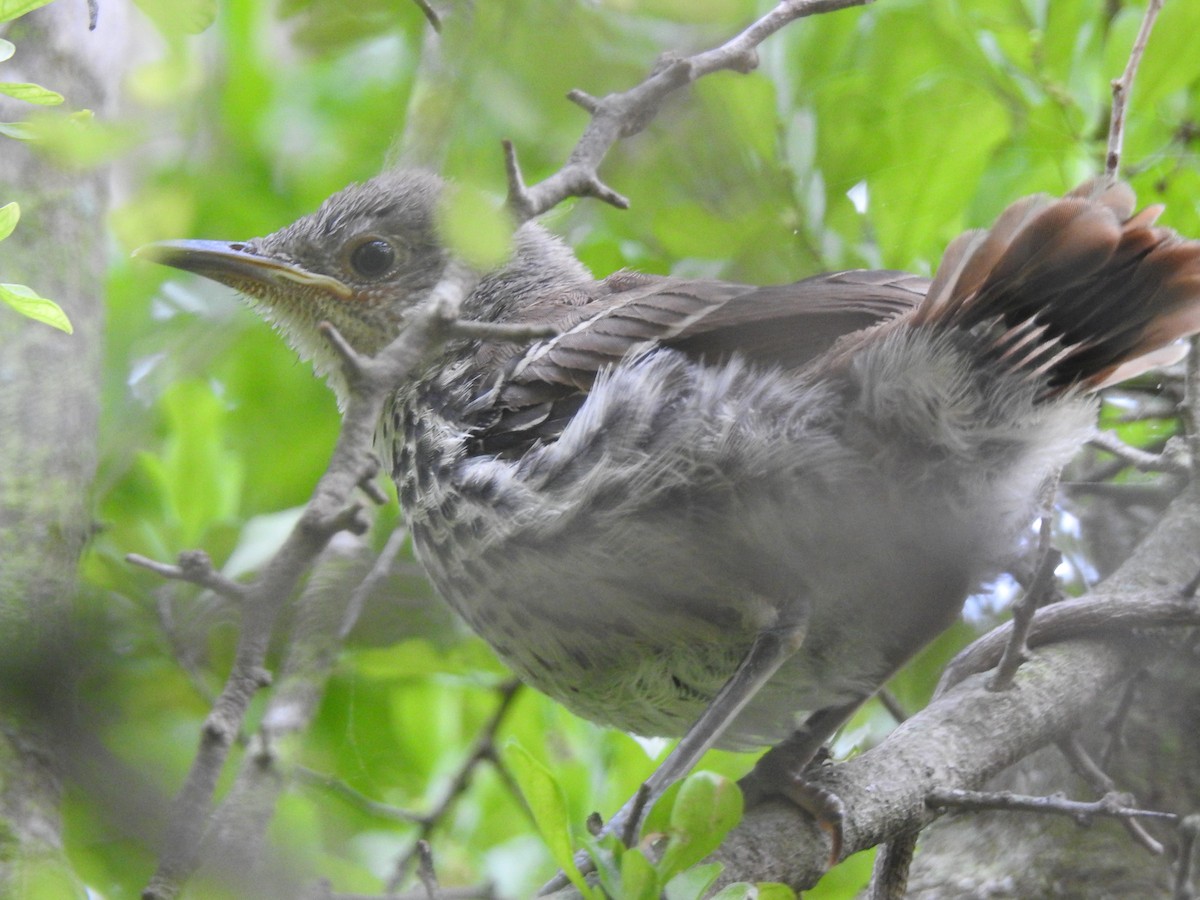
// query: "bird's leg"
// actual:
[[780, 772], [771, 648]]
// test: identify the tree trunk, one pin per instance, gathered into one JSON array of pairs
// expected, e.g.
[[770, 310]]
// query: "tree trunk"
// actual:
[[49, 403]]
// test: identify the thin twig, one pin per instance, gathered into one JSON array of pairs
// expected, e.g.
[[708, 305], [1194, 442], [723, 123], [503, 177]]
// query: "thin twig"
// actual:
[[431, 15], [185, 660], [328, 511], [195, 567], [621, 115], [369, 484], [629, 833], [1109, 806], [895, 709], [484, 750], [381, 568], [1189, 406], [1099, 781], [1115, 726], [1189, 829], [1107, 469], [1081, 617], [1121, 88], [357, 799], [1038, 594], [1139, 459], [425, 871], [1155, 496]]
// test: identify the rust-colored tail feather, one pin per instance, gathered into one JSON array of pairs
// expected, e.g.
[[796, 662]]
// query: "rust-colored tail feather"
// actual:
[[1079, 290]]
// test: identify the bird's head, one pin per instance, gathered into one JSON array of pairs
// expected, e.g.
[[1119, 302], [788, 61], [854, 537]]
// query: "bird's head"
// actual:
[[360, 262]]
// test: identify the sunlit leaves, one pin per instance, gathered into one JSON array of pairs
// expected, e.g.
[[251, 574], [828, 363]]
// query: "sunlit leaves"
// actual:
[[46, 879], [158, 211], [30, 93], [706, 808], [944, 111], [11, 9], [180, 17], [198, 479], [30, 304], [1171, 62], [78, 139], [546, 802], [10, 214], [25, 300]]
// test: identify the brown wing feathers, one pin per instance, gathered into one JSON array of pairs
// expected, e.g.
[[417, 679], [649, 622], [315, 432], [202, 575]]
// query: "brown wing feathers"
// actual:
[[787, 325], [1078, 291], [621, 324]]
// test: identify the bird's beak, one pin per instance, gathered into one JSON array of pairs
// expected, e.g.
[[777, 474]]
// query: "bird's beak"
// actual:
[[234, 265]]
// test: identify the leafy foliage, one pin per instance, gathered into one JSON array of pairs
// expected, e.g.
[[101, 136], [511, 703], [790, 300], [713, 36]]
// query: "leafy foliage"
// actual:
[[866, 137], [25, 300]]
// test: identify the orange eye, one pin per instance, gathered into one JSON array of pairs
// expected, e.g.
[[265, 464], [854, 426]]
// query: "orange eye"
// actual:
[[373, 258]]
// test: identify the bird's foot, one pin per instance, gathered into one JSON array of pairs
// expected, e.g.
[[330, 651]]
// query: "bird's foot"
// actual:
[[824, 806], [780, 774]]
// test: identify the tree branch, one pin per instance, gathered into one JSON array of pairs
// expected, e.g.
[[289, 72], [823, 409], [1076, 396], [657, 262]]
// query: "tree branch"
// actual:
[[624, 114], [1086, 650], [372, 381], [1121, 88], [1082, 811], [484, 750]]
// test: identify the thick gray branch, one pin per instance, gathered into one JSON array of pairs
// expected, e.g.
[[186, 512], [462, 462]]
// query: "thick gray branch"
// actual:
[[970, 734]]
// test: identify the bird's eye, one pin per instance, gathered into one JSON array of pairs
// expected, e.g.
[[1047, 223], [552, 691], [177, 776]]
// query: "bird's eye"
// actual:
[[373, 258]]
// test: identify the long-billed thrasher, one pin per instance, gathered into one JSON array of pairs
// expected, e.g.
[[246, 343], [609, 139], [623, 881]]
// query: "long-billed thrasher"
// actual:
[[718, 509]]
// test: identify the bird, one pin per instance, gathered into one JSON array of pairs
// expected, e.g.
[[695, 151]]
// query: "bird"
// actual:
[[714, 510]]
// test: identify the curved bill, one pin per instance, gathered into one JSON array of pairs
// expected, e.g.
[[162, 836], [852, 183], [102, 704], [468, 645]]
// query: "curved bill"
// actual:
[[234, 265]]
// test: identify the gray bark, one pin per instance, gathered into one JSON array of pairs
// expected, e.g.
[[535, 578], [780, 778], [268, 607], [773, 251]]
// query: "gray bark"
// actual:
[[969, 738], [49, 402]]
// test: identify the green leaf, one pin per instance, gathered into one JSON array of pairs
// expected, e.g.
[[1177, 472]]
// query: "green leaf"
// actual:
[[11, 9], [658, 820], [765, 890], [707, 807], [546, 801], [693, 883], [198, 481], [741, 890], [639, 881], [49, 879], [77, 139], [260, 538], [177, 17], [607, 854], [1170, 64], [16, 130], [31, 93], [772, 890], [7, 49], [849, 878], [10, 214], [26, 301]]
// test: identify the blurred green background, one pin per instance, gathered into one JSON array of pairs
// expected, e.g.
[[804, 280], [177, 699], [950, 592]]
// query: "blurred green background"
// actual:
[[865, 138]]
